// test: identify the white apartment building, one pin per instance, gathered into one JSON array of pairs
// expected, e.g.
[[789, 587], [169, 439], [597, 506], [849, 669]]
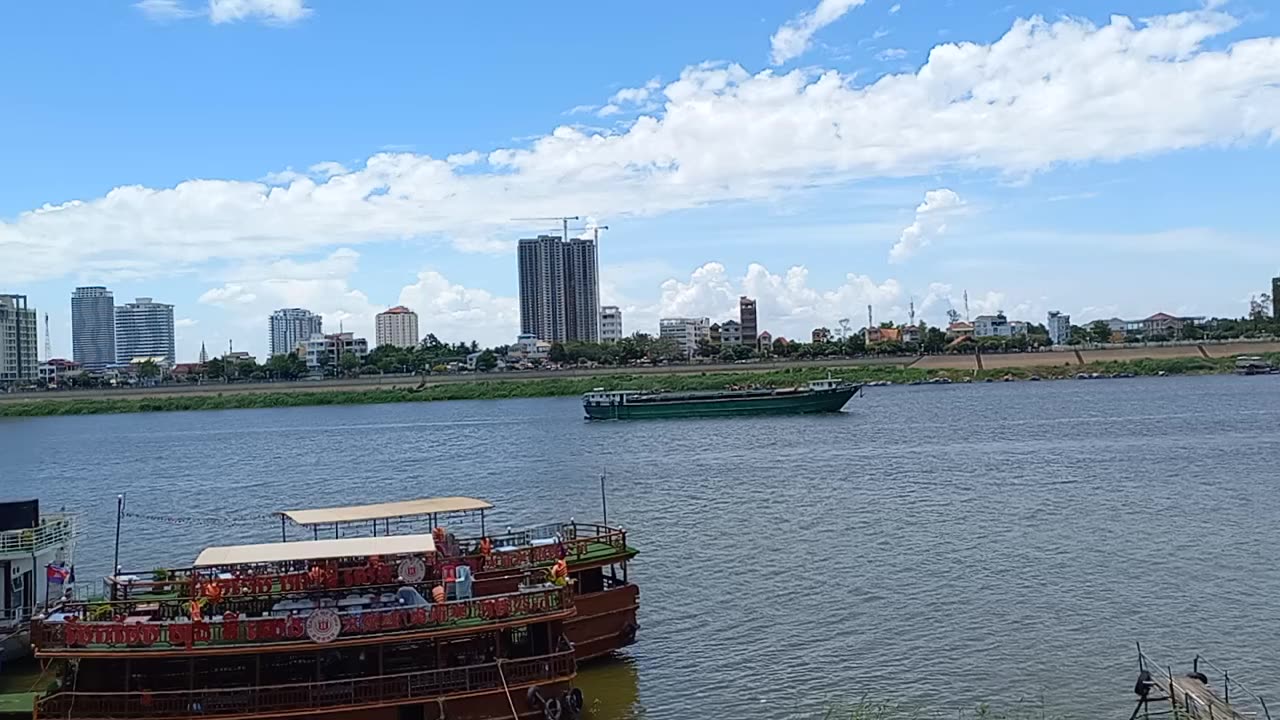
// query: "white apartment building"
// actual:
[[397, 327], [610, 323], [290, 326], [144, 329], [1059, 325], [997, 326], [331, 348], [686, 332], [731, 332]]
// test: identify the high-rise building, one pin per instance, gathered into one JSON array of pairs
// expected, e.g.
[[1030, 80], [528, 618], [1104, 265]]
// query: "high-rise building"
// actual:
[[93, 327], [1059, 325], [685, 333], [290, 326], [1275, 298], [18, 362], [610, 323], [144, 329], [747, 317], [397, 327], [559, 288]]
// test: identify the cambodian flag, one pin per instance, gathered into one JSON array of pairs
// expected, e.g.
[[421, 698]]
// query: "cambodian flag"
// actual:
[[57, 574]]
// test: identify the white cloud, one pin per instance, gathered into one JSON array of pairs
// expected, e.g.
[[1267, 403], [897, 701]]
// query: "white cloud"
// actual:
[[930, 222], [165, 10], [455, 313], [895, 8], [185, 323], [1046, 93], [272, 11], [328, 169], [277, 12], [793, 39], [891, 54]]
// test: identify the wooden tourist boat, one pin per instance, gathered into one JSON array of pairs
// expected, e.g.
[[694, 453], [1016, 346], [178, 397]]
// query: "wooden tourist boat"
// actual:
[[346, 629], [596, 556]]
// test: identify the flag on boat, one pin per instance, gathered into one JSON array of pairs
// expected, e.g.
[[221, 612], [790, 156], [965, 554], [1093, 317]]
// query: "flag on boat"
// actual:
[[57, 574]]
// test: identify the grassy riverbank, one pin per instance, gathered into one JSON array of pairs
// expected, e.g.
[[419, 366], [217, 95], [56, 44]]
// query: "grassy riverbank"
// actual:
[[510, 386]]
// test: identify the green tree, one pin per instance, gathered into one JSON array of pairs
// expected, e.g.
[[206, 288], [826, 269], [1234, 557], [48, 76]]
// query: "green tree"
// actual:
[[1099, 331], [215, 369], [323, 361], [148, 369], [487, 361], [557, 353], [705, 349], [350, 364], [933, 340]]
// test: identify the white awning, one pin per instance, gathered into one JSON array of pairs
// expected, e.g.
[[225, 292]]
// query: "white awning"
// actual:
[[229, 555], [384, 511]]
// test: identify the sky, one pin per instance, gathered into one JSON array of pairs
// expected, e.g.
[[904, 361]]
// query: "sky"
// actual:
[[1098, 157]]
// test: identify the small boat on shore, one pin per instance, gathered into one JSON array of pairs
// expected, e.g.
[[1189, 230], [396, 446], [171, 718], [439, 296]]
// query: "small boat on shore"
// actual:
[[818, 396], [1247, 365]]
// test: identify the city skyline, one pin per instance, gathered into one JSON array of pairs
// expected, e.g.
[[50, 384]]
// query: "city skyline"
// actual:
[[877, 157]]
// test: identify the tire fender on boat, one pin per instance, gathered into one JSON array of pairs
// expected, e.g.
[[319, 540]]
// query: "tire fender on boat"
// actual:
[[573, 700], [553, 709]]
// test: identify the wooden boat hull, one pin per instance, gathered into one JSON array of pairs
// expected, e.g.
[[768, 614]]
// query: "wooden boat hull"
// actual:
[[825, 401], [606, 622]]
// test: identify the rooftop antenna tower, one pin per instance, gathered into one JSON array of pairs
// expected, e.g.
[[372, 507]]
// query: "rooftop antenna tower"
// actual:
[[966, 307], [48, 344], [912, 313], [844, 328]]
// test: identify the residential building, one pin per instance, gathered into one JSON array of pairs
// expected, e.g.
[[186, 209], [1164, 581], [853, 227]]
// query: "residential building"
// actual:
[[18, 361], [397, 327], [330, 349], [289, 326], [910, 333], [1163, 324], [713, 334], [997, 326], [883, 335], [55, 371], [238, 357], [958, 330], [764, 342], [821, 335], [559, 288], [1275, 298], [747, 316], [730, 332], [610, 323], [529, 347], [93, 327], [685, 332], [1059, 326], [144, 328]]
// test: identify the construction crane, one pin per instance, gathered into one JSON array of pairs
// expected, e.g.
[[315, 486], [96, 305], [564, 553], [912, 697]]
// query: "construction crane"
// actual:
[[564, 220]]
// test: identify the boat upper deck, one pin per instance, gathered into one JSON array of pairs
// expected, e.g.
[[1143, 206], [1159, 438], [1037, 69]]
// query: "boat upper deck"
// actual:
[[55, 531]]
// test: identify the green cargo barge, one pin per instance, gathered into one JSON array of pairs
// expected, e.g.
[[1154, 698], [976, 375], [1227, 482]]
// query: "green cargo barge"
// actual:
[[819, 396]]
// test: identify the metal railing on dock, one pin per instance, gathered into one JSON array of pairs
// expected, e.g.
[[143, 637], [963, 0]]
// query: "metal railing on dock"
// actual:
[[1212, 695]]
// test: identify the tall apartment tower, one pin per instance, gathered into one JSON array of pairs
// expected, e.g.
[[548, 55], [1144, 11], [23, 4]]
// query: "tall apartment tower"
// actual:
[[290, 326], [397, 327], [559, 288], [144, 328], [747, 317], [93, 327], [18, 363], [1275, 298], [582, 290]]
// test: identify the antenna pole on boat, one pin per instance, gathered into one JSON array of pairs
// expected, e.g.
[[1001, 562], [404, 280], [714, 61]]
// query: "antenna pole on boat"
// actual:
[[604, 501], [115, 565]]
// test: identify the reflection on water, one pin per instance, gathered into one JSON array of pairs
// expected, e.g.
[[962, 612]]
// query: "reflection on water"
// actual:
[[611, 689]]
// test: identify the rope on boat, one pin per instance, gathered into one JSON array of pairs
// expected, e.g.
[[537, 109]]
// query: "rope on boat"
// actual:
[[507, 690]]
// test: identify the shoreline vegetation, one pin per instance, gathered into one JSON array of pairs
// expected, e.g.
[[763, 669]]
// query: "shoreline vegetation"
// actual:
[[228, 398]]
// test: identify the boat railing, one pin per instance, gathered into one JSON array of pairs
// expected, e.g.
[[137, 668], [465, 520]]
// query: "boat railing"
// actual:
[[14, 619], [539, 546], [351, 693], [56, 530], [59, 632]]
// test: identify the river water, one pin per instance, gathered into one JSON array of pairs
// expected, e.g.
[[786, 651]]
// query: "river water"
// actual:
[[937, 546]]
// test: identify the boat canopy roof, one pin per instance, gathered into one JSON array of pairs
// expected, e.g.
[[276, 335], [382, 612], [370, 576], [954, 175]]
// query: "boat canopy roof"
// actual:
[[229, 555], [385, 511]]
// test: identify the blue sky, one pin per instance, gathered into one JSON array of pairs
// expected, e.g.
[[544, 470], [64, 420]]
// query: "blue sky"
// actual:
[[233, 156]]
